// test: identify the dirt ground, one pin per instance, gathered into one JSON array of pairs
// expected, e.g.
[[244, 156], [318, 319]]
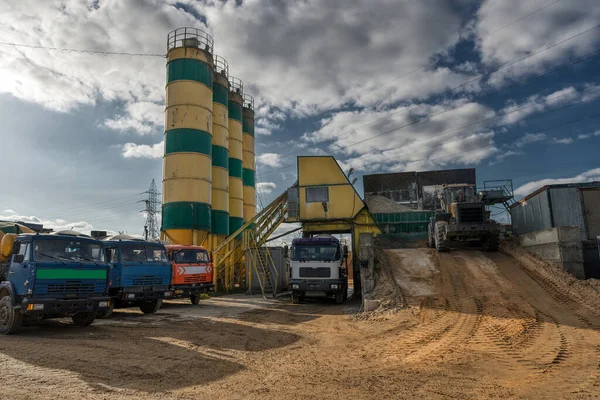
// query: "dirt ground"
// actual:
[[476, 325]]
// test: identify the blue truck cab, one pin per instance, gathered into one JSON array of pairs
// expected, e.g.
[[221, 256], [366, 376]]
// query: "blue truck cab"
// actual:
[[52, 276], [140, 273]]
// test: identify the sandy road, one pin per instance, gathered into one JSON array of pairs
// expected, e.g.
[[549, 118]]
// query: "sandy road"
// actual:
[[478, 326]]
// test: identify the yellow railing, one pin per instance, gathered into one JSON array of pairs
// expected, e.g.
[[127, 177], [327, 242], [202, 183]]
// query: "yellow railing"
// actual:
[[229, 258]]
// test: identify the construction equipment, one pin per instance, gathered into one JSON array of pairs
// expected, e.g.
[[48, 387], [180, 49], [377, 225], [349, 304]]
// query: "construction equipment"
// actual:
[[51, 276], [463, 217], [140, 273], [319, 266], [191, 272]]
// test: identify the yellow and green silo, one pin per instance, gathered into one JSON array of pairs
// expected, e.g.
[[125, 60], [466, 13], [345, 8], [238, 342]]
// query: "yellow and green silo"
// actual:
[[187, 163], [220, 152], [236, 192], [249, 174]]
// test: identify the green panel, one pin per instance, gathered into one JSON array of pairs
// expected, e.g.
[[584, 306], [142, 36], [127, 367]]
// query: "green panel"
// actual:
[[188, 140], [235, 223], [220, 94], [235, 111], [64, 273], [220, 156], [220, 222], [249, 177], [186, 215], [248, 126], [236, 168], [190, 69], [405, 224]]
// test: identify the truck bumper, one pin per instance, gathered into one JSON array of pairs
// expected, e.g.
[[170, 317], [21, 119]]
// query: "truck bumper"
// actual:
[[60, 307], [185, 291], [472, 230], [135, 295], [324, 285]]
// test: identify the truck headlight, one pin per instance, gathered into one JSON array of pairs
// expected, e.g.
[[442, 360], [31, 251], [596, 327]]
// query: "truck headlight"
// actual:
[[131, 295], [35, 307], [295, 286], [103, 304], [167, 294], [334, 286]]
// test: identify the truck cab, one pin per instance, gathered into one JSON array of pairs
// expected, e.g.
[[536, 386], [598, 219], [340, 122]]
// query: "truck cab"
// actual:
[[191, 272], [51, 276], [140, 273], [318, 267]]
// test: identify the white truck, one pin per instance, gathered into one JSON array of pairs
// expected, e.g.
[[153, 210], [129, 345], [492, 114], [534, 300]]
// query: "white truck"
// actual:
[[318, 267]]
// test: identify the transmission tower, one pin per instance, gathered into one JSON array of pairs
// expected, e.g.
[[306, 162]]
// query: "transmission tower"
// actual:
[[152, 227]]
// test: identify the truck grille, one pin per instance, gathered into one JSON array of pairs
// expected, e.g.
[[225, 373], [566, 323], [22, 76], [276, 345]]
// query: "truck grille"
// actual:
[[320, 272], [194, 279], [71, 287], [147, 281], [471, 214]]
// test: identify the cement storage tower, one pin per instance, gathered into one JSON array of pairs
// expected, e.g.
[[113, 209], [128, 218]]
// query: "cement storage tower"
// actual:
[[209, 162]]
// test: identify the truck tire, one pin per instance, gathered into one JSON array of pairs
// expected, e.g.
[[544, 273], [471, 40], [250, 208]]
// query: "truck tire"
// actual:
[[339, 297], [490, 243], [195, 299], [151, 307], [11, 318], [84, 318], [106, 312], [440, 243], [430, 237], [295, 298]]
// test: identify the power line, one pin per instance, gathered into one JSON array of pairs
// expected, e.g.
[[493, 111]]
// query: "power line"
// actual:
[[547, 72], [90, 52], [525, 16]]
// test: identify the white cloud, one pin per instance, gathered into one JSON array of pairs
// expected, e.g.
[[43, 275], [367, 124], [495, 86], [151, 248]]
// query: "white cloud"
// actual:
[[584, 136], [142, 117], [437, 141], [9, 211], [132, 150], [55, 224], [555, 23], [529, 138], [269, 159], [567, 140], [537, 103], [587, 176], [265, 187]]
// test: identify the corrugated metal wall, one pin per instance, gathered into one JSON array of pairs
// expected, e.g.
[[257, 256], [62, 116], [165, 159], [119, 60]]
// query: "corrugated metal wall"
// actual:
[[532, 215], [406, 180], [566, 208], [404, 224]]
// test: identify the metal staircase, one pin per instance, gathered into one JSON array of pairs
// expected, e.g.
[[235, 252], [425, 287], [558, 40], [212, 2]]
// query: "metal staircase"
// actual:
[[261, 262], [229, 257]]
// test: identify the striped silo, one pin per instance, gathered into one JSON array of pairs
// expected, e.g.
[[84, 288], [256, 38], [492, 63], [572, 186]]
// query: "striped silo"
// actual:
[[220, 151], [187, 163], [236, 192], [249, 172]]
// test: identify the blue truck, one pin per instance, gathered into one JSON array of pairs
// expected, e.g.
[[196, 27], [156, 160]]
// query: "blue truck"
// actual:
[[140, 274], [51, 276]]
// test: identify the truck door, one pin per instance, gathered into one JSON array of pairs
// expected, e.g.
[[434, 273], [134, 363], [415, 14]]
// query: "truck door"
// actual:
[[19, 270], [112, 255]]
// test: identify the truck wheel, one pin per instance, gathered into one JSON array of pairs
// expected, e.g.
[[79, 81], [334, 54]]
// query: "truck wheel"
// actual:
[[339, 297], [440, 243], [295, 298], [106, 312], [84, 318], [11, 319], [195, 299], [490, 243], [151, 307], [430, 238]]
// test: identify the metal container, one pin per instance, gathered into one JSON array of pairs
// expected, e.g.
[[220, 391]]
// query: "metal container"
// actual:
[[407, 225], [249, 167], [236, 171], [279, 270], [187, 163]]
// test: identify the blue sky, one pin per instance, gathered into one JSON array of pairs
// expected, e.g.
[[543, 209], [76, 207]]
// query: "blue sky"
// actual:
[[507, 87]]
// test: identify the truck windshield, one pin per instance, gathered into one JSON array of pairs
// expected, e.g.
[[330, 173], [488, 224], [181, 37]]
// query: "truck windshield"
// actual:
[[315, 252], [73, 250], [190, 256], [139, 253]]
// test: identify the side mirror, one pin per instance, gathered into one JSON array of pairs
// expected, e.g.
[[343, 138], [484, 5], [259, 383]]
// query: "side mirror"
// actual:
[[18, 258], [345, 251]]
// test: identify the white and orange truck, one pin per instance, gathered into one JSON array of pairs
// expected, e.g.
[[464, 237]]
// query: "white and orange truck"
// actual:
[[191, 272]]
